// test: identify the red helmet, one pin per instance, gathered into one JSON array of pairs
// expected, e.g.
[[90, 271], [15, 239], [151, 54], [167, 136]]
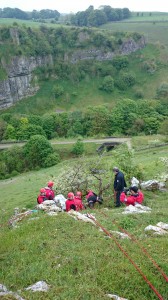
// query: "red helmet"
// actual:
[[42, 190], [50, 183], [70, 195], [79, 194]]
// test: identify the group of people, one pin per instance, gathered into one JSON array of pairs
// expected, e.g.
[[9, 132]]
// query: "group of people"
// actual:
[[73, 201], [129, 196], [46, 193]]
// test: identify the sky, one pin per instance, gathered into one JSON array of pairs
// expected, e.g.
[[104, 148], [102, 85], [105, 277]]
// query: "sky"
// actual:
[[67, 6]]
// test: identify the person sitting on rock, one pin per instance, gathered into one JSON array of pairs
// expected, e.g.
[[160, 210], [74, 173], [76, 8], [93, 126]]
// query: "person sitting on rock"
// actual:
[[136, 196], [42, 196], [70, 203], [50, 194], [78, 201]]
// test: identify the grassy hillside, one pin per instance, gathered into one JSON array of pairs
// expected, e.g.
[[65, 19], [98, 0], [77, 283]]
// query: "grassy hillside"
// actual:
[[154, 28], [75, 258]]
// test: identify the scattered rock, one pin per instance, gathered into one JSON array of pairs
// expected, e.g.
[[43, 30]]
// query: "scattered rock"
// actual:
[[40, 286], [4, 292], [152, 185], [159, 229], [115, 297], [120, 234], [138, 208]]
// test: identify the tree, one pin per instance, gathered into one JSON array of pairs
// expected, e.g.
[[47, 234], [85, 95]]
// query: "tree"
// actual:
[[164, 127], [3, 126], [125, 80], [78, 148], [151, 125], [96, 120], [14, 159], [96, 18], [108, 84], [10, 133], [120, 62], [48, 125], [123, 117], [36, 151], [51, 160]]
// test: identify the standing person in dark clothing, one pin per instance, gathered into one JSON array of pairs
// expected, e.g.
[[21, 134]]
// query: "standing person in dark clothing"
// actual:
[[119, 184]]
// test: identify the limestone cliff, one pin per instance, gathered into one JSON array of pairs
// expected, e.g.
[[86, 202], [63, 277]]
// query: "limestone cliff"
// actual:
[[18, 84], [20, 80]]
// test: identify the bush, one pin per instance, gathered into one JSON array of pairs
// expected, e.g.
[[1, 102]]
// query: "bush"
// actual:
[[78, 148], [139, 94], [108, 84], [58, 90], [125, 80], [51, 160], [120, 62], [149, 66], [14, 173], [36, 151], [162, 91]]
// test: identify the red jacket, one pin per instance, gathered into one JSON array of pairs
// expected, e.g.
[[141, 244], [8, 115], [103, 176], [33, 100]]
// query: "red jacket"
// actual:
[[89, 194], [78, 203], [70, 204], [139, 197], [49, 193], [41, 199]]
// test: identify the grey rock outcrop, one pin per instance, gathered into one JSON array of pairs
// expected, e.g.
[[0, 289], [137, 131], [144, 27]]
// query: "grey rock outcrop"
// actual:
[[128, 47], [18, 84]]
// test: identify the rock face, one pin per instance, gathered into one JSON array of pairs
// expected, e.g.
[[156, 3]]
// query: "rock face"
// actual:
[[19, 85], [20, 82], [128, 47]]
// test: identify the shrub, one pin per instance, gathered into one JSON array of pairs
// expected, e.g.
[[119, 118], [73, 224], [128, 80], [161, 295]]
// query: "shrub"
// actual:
[[149, 66], [164, 127], [162, 91], [78, 148], [139, 94], [120, 62], [125, 80], [58, 90], [36, 151], [108, 84], [51, 160]]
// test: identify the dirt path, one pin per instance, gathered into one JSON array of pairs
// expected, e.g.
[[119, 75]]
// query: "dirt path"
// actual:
[[97, 141]]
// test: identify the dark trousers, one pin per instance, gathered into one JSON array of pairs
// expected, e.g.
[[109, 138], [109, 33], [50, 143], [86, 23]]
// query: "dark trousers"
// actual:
[[118, 193]]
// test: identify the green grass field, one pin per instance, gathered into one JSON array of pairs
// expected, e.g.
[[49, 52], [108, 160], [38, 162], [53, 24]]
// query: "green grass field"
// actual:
[[75, 258], [154, 31]]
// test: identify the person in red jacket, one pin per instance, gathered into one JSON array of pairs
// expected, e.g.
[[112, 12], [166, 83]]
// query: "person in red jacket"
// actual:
[[42, 196], [70, 203], [136, 196], [49, 190], [92, 198], [78, 201]]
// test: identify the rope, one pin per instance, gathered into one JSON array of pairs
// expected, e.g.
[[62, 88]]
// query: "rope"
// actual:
[[141, 247], [127, 255]]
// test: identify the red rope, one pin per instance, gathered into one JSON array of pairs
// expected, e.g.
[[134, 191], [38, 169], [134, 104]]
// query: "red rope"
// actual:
[[142, 248], [130, 259]]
